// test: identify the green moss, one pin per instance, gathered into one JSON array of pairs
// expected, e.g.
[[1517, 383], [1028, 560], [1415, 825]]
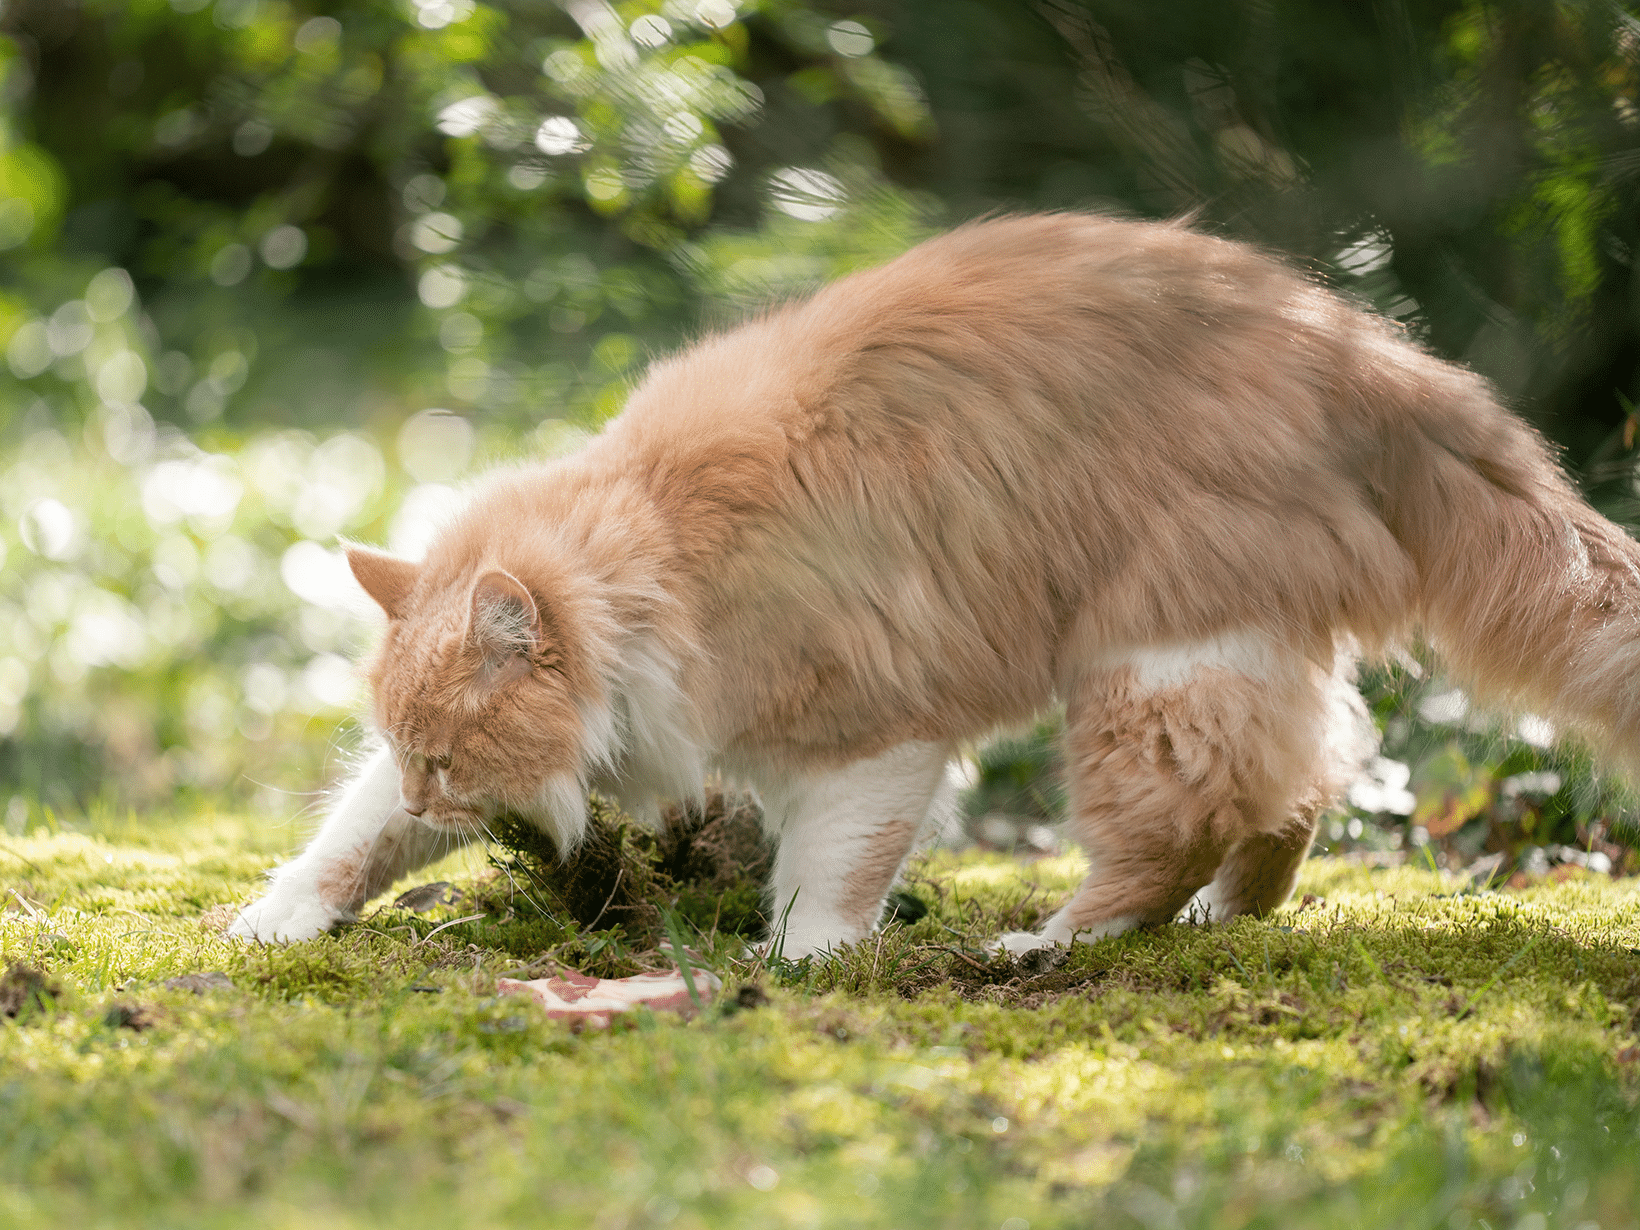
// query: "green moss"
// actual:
[[707, 865], [1399, 1051]]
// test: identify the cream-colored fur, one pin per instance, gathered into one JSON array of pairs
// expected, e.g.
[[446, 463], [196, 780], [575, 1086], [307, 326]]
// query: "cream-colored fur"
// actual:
[[1155, 475]]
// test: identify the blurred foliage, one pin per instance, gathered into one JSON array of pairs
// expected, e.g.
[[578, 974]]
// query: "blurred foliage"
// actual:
[[277, 270]]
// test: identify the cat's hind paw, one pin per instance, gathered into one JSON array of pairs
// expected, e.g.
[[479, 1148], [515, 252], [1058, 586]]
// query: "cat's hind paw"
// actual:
[[276, 920]]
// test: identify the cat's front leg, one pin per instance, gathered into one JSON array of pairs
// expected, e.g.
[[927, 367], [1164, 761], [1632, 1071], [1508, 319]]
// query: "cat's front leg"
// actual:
[[844, 835], [366, 842]]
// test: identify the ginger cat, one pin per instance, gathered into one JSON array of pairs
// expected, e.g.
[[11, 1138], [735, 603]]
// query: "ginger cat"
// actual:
[[1157, 476]]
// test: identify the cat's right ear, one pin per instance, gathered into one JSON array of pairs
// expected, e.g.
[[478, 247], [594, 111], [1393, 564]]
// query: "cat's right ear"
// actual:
[[386, 578]]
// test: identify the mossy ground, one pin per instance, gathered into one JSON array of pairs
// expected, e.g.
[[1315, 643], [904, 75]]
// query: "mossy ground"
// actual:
[[1401, 1053]]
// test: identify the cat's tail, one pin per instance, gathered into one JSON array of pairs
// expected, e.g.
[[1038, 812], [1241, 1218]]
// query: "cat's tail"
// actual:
[[1527, 593]]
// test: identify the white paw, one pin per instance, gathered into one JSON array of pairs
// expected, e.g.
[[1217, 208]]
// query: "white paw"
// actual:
[[283, 918], [1022, 941], [795, 944]]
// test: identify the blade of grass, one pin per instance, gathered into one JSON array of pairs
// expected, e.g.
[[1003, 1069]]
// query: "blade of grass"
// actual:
[[1367, 957], [1502, 970], [675, 934]]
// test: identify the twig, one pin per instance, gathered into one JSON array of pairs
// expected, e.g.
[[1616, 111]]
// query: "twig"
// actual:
[[453, 922], [593, 925], [962, 956], [33, 913]]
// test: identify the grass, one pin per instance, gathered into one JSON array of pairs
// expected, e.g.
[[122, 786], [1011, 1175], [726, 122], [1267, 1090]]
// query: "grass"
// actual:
[[1399, 1052]]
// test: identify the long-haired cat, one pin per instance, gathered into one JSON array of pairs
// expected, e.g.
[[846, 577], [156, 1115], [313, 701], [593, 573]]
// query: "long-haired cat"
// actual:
[[1154, 475]]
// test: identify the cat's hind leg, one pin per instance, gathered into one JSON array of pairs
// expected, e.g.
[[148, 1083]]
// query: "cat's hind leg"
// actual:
[[1258, 873], [366, 842], [843, 836], [1185, 763]]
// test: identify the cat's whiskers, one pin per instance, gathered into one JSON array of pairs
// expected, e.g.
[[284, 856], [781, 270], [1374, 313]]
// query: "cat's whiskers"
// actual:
[[491, 840]]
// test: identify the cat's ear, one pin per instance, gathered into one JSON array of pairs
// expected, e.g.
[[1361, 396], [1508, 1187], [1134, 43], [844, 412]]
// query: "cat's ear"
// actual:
[[386, 578], [506, 621]]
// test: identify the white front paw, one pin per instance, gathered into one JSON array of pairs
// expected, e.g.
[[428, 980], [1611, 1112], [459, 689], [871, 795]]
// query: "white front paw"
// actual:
[[795, 943], [1022, 941], [284, 917]]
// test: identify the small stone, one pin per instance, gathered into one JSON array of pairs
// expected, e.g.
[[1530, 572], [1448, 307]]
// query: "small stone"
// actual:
[[200, 983], [1038, 961], [425, 897]]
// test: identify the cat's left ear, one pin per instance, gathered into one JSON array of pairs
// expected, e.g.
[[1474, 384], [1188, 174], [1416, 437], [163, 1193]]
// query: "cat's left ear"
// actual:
[[505, 621], [386, 578]]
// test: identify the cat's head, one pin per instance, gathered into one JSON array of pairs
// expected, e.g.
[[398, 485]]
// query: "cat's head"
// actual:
[[478, 690]]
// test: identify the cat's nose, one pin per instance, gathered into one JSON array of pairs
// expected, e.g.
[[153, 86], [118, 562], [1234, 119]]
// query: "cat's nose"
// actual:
[[414, 809]]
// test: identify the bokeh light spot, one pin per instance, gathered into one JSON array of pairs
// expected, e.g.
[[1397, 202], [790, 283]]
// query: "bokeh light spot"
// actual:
[[442, 286], [715, 13], [850, 38], [284, 246], [317, 34], [464, 118], [16, 221], [108, 296], [122, 378], [319, 576], [563, 66], [424, 511], [652, 30], [558, 134], [423, 192], [435, 445], [29, 351], [230, 266], [330, 680], [527, 176], [460, 331], [69, 330], [711, 163], [806, 194], [47, 528], [684, 127], [436, 233], [436, 14], [252, 138]]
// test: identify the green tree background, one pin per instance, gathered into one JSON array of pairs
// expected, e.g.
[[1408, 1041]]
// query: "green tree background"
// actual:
[[274, 271]]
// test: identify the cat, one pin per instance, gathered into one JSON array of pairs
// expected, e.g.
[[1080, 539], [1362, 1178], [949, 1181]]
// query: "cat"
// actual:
[[1153, 475]]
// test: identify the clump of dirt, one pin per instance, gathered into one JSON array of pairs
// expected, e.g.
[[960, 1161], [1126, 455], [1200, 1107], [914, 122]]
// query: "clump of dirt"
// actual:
[[718, 861], [25, 991], [709, 863], [137, 1017]]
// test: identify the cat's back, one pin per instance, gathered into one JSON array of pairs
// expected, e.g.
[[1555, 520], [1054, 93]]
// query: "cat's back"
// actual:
[[1034, 326]]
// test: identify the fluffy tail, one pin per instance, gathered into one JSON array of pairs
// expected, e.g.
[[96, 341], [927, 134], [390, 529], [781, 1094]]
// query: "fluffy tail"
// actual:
[[1523, 588]]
